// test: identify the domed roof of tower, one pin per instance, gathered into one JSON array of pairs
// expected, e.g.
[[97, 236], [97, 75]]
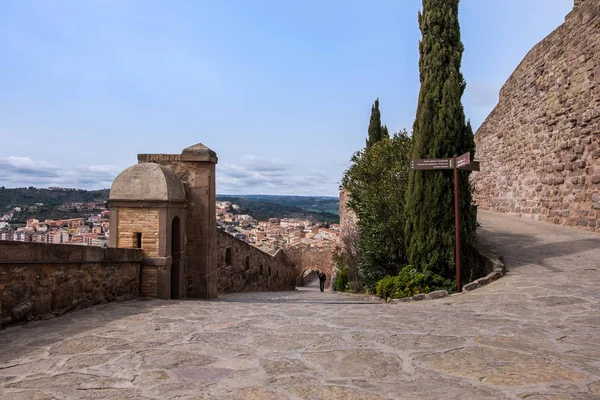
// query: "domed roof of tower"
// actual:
[[147, 182]]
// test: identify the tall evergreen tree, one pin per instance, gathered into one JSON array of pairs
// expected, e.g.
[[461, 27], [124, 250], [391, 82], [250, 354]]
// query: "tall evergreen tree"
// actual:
[[376, 131], [385, 134], [440, 131]]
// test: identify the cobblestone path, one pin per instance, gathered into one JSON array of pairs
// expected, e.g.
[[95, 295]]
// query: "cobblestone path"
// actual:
[[533, 334]]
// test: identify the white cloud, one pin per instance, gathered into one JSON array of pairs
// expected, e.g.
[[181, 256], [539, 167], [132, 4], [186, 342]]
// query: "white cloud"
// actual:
[[259, 175], [23, 171], [252, 175]]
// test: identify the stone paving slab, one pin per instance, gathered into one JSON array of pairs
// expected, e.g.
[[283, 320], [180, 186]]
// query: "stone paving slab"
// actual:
[[533, 334]]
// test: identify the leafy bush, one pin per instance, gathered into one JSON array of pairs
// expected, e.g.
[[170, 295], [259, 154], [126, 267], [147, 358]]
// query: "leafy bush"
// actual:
[[345, 261], [355, 286], [342, 280], [376, 182], [410, 282]]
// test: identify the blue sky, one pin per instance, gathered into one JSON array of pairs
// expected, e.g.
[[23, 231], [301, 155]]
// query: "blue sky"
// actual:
[[281, 90]]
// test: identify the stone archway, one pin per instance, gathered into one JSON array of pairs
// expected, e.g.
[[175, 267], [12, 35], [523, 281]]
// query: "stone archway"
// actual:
[[307, 258], [310, 277]]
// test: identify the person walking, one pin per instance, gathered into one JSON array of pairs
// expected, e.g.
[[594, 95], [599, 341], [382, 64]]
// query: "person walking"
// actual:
[[322, 279]]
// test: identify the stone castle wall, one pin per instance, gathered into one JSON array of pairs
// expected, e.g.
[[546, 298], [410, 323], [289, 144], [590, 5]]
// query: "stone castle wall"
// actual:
[[349, 228], [540, 146], [250, 269], [46, 280], [305, 258]]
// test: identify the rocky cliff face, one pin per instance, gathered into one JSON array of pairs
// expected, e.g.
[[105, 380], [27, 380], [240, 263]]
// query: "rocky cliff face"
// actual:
[[539, 148]]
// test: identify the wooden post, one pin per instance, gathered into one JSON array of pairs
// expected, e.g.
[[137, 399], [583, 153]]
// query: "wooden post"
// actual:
[[457, 225], [458, 162]]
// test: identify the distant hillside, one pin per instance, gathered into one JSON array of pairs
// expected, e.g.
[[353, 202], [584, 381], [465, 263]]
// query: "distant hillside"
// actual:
[[309, 203], [52, 200], [263, 207], [20, 197]]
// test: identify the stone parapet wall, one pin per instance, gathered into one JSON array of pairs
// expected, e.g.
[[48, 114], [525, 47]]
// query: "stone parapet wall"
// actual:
[[39, 281], [540, 146], [250, 269]]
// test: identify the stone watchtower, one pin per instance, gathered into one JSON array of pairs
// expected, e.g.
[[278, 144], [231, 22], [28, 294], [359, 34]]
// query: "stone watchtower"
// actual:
[[165, 205]]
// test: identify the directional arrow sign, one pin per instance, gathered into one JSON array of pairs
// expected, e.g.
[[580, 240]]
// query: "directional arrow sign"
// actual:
[[463, 160], [434, 163]]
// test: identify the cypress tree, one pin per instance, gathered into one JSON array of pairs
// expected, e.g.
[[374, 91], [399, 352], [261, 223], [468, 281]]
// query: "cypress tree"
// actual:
[[385, 134], [440, 131], [376, 131]]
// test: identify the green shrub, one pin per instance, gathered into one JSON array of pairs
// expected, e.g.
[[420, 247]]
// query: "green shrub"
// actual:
[[342, 280], [410, 282], [356, 287], [376, 182]]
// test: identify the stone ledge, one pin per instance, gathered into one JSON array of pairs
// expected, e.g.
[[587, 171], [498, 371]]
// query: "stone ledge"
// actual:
[[437, 294], [157, 261], [44, 253], [492, 276], [361, 296], [494, 266]]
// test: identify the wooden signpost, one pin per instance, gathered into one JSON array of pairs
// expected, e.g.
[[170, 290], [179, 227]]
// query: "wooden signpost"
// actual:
[[456, 163]]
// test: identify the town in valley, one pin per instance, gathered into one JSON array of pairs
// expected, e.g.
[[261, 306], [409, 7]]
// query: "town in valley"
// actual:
[[92, 227]]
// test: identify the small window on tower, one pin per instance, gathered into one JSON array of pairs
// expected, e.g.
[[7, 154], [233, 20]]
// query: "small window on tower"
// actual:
[[228, 257], [137, 240]]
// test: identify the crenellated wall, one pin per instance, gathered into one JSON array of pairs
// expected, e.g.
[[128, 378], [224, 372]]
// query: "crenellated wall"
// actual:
[[40, 281], [249, 269], [540, 146]]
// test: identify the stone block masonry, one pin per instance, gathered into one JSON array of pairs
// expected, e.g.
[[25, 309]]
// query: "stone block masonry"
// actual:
[[540, 146], [139, 220], [46, 280], [195, 168], [348, 225], [244, 268], [305, 258]]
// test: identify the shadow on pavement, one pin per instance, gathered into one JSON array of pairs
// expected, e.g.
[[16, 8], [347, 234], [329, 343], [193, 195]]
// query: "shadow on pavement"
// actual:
[[520, 249]]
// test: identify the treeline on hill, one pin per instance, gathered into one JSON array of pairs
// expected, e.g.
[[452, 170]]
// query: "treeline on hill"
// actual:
[[263, 210], [308, 203], [261, 207], [19, 197], [52, 200], [405, 241]]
